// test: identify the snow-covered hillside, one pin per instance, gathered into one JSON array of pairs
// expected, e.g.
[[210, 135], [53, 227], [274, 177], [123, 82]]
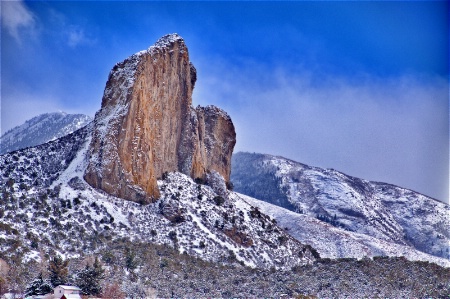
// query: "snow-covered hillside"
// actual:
[[41, 129], [46, 208], [388, 213], [45, 198], [334, 242]]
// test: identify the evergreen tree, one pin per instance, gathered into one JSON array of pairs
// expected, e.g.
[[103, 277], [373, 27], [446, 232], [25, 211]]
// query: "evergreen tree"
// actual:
[[89, 279], [38, 286], [130, 260], [34, 286], [58, 271]]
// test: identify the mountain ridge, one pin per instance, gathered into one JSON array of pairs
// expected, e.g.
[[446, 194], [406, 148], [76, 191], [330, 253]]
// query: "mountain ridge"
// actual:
[[41, 129], [380, 210]]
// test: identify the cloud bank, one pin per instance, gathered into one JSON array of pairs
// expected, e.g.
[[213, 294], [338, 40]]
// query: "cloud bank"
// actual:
[[393, 130], [17, 18]]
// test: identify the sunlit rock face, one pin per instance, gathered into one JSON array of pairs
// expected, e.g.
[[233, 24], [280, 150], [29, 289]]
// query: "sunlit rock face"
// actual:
[[147, 125]]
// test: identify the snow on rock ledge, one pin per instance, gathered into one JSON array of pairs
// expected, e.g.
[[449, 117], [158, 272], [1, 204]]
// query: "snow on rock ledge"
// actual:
[[147, 126]]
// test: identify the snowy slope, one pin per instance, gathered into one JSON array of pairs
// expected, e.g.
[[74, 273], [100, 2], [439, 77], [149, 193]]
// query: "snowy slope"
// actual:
[[382, 211], [41, 129], [45, 198], [334, 242]]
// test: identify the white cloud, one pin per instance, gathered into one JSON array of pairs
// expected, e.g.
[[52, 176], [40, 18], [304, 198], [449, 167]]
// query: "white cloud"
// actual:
[[76, 36], [68, 32], [17, 18], [386, 129]]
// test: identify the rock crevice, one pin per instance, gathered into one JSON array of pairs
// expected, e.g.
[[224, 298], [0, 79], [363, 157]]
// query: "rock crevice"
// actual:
[[147, 125]]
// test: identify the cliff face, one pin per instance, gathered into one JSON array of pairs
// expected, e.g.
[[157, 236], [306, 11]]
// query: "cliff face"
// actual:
[[147, 126]]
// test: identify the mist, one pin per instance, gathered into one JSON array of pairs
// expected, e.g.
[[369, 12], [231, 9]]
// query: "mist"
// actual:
[[392, 130]]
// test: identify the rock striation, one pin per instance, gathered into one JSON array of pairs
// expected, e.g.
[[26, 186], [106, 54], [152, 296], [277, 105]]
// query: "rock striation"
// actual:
[[147, 125]]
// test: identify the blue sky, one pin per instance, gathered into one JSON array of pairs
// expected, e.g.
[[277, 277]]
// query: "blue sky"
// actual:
[[361, 87]]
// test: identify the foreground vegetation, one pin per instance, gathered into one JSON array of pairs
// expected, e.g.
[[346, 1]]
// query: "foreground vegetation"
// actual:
[[140, 270]]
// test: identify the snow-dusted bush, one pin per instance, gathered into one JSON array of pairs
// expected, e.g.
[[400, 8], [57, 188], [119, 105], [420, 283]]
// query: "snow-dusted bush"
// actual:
[[217, 183]]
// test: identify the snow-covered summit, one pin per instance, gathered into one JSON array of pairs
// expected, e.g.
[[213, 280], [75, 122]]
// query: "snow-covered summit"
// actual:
[[166, 41], [41, 129], [127, 67], [335, 242], [378, 210]]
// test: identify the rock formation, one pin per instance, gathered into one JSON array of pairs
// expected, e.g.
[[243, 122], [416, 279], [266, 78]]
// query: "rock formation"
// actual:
[[147, 126]]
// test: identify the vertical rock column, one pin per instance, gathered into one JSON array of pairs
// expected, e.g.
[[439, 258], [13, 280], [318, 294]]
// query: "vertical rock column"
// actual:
[[147, 126]]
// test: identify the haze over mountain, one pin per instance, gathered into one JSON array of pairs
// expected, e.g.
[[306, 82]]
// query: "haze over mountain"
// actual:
[[375, 210], [41, 129]]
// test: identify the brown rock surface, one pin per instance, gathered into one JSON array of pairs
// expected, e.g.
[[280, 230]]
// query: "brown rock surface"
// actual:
[[147, 126]]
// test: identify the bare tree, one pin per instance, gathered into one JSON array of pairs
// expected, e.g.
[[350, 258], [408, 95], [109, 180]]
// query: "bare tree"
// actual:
[[17, 277], [112, 291], [4, 269]]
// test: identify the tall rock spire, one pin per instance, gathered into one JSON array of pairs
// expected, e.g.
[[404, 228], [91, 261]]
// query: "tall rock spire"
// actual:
[[147, 125]]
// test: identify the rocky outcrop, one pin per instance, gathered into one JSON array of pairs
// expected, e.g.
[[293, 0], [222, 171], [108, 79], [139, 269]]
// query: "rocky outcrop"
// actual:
[[147, 126]]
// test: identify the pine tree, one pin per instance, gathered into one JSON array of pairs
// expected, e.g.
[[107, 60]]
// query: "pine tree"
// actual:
[[58, 271], [89, 279], [34, 286], [38, 286], [130, 260]]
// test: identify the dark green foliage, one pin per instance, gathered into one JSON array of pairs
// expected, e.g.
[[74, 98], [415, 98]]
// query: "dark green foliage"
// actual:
[[314, 252], [8, 229], [255, 213], [58, 271], [282, 239], [331, 220], [200, 181], [219, 200], [10, 183], [164, 263], [23, 187], [131, 262], [38, 286], [173, 236], [108, 257], [193, 278], [89, 279], [76, 201], [177, 218]]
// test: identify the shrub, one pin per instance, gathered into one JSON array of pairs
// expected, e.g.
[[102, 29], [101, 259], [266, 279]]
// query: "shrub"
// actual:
[[219, 200], [282, 239], [76, 201], [10, 183], [173, 236], [202, 244], [200, 181]]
